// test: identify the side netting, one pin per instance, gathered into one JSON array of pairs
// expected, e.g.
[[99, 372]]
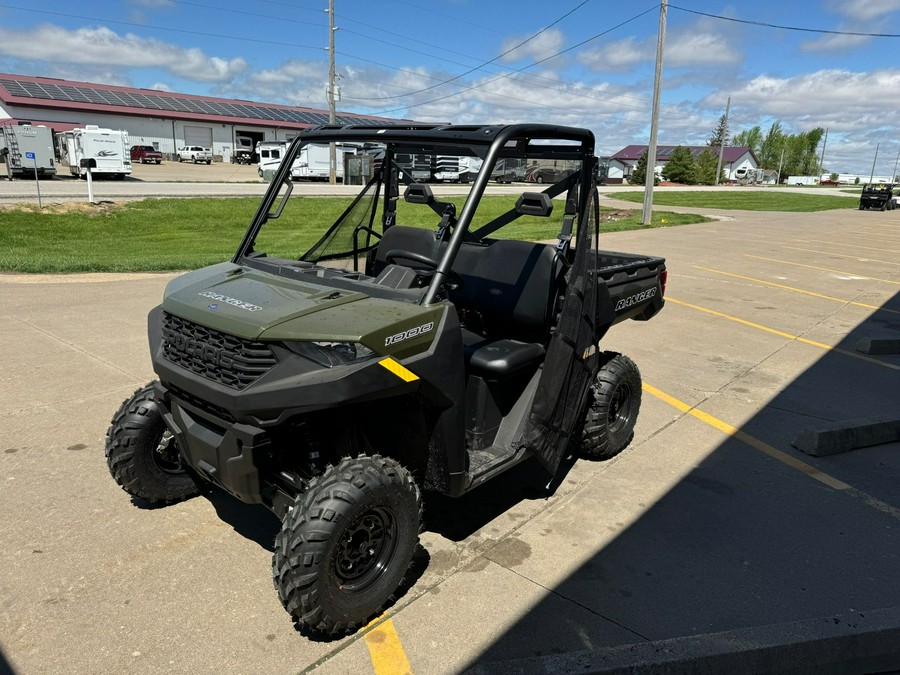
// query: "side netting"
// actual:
[[572, 357]]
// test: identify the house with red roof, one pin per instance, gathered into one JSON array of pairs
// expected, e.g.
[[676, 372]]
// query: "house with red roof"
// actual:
[[737, 163]]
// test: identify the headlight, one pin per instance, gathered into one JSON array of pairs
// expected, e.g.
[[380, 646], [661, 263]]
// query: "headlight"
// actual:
[[330, 354]]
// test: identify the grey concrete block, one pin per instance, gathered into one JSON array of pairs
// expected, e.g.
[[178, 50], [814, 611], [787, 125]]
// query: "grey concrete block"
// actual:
[[878, 346], [862, 642], [820, 441]]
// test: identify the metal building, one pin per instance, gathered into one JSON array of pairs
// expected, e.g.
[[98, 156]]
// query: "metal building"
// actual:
[[165, 120]]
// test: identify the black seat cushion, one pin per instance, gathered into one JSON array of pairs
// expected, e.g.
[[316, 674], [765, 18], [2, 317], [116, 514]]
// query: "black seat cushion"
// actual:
[[500, 357]]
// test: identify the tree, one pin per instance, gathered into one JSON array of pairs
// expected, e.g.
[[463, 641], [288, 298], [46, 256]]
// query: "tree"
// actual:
[[680, 168], [750, 138], [719, 134], [706, 164], [639, 172], [770, 149]]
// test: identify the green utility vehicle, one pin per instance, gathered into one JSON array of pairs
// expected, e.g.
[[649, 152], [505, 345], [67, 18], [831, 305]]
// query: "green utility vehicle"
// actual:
[[413, 346]]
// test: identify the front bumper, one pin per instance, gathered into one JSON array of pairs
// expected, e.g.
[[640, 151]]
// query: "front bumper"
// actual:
[[224, 453]]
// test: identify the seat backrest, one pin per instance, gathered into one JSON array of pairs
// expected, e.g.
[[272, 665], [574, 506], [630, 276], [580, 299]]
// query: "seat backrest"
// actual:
[[415, 239], [514, 284]]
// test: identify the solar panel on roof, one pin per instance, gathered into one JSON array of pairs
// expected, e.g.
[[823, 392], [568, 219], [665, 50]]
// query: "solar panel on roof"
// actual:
[[100, 96]]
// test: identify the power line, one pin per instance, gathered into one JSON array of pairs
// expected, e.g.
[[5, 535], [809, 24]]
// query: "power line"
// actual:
[[779, 27], [499, 56], [531, 65]]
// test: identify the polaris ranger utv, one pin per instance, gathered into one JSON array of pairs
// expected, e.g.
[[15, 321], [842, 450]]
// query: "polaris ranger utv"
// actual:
[[877, 196], [411, 347]]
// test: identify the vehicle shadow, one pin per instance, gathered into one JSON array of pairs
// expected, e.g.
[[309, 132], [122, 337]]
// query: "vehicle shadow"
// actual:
[[5, 666], [459, 518], [252, 521], [744, 540]]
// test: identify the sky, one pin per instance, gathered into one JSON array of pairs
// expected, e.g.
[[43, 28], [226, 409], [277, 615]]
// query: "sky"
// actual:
[[587, 63]]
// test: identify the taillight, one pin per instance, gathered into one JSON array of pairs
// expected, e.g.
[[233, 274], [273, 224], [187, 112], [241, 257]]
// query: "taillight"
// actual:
[[663, 278]]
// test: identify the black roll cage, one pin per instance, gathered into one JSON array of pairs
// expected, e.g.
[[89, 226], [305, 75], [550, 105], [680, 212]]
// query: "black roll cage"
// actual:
[[492, 143]]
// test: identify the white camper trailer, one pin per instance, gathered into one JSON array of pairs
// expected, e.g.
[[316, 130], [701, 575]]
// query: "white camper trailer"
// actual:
[[19, 141], [453, 169], [270, 155], [107, 147], [312, 163]]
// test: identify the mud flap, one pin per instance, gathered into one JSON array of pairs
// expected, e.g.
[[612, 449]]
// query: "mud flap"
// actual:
[[572, 357]]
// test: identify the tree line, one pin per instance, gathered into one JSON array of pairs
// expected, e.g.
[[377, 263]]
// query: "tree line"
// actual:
[[801, 157], [795, 154]]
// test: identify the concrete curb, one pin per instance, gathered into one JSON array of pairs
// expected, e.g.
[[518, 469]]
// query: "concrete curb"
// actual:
[[862, 642], [820, 441], [878, 346]]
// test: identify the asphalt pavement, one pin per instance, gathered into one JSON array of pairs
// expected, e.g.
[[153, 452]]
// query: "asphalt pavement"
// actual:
[[709, 523]]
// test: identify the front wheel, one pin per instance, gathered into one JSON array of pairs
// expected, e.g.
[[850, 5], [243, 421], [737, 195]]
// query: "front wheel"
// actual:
[[613, 406], [346, 544], [142, 455]]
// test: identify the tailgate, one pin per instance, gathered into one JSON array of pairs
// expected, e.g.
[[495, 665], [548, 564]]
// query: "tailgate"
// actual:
[[635, 283]]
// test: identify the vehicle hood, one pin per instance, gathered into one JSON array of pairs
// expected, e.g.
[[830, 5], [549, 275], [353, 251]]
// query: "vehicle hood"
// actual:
[[252, 304]]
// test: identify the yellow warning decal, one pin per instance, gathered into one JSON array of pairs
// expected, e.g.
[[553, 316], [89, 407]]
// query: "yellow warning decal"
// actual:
[[403, 373]]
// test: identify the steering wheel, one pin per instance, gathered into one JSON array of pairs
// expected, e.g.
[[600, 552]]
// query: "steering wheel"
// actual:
[[392, 256]]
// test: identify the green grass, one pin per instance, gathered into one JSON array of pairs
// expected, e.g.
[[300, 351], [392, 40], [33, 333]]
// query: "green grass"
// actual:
[[749, 200], [178, 234]]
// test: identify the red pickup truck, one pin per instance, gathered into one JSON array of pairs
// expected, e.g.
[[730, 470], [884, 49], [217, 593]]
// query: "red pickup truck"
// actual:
[[145, 153]]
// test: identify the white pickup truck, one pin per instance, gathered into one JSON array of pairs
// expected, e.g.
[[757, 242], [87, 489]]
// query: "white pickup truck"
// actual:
[[194, 153]]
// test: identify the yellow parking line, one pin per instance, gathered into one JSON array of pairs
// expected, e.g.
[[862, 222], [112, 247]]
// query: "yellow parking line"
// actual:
[[772, 451], [774, 331], [385, 649], [841, 255], [823, 269], [837, 243], [798, 290]]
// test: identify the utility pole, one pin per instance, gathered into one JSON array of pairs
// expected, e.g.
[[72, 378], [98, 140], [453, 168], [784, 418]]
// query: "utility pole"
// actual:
[[722, 143], [332, 154], [822, 156], [654, 120], [872, 175], [897, 161], [780, 162]]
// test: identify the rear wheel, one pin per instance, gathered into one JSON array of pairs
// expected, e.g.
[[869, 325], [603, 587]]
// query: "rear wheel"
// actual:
[[142, 455], [613, 407], [346, 544]]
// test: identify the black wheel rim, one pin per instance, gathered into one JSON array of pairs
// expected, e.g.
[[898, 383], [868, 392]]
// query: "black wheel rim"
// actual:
[[365, 549], [620, 408], [166, 456]]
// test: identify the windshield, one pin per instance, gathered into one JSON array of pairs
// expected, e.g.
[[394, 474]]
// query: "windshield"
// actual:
[[343, 229]]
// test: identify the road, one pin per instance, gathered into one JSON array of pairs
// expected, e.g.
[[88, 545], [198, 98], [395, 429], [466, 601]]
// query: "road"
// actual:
[[171, 179], [709, 521]]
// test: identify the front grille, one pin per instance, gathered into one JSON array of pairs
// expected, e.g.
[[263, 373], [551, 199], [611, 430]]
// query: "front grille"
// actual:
[[220, 357]]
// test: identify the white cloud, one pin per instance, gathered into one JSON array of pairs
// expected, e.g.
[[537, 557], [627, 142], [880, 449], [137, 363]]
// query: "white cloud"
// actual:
[[160, 86], [683, 48], [701, 49], [864, 10], [102, 47], [617, 56], [834, 43], [840, 97], [545, 45]]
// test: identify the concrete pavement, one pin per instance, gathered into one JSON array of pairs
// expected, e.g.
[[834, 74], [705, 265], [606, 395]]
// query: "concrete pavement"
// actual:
[[709, 522]]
